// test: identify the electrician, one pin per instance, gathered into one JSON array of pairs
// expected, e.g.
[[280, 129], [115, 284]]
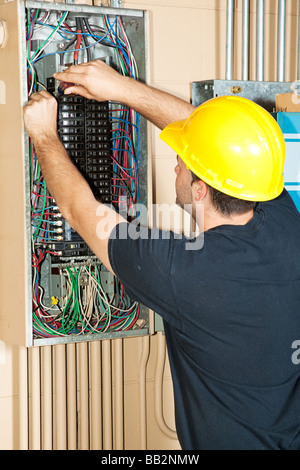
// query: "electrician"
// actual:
[[231, 309]]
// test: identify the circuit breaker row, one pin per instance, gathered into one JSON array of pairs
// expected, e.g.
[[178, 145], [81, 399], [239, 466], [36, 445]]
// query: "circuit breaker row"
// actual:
[[85, 131]]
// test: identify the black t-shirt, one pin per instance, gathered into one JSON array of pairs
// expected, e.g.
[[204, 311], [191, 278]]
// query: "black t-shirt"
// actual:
[[231, 314]]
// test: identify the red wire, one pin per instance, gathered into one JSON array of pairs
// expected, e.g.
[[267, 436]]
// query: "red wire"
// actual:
[[78, 42]]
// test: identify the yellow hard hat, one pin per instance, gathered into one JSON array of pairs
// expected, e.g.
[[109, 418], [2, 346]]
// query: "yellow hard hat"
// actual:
[[234, 145]]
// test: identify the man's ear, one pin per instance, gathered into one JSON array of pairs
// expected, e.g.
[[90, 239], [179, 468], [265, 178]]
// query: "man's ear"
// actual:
[[199, 190]]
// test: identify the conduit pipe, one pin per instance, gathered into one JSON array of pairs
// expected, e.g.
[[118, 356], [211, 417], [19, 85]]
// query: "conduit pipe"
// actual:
[[34, 365], [71, 378], [107, 394], [281, 40], [158, 386], [23, 375], [95, 377], [245, 57], [60, 401], [229, 40], [82, 352], [142, 391], [118, 394], [260, 39], [46, 394]]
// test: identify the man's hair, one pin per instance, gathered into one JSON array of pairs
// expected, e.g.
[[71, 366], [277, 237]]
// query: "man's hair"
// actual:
[[227, 205]]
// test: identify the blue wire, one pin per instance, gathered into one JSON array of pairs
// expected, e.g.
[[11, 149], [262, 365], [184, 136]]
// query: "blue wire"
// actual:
[[121, 47], [61, 30], [44, 230], [40, 210], [123, 120], [71, 50], [46, 240]]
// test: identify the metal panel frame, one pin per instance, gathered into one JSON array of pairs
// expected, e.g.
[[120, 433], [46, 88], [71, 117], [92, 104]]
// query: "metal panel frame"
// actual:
[[19, 330], [263, 93]]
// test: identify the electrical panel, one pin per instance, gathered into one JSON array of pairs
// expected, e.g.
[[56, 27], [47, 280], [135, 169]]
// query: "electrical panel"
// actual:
[[262, 93], [69, 295]]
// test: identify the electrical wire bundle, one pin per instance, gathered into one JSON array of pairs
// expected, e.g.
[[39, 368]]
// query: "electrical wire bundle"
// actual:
[[125, 132], [84, 307]]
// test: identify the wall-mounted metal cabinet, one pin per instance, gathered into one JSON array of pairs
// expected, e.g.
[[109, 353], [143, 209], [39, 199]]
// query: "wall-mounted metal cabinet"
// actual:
[[53, 289]]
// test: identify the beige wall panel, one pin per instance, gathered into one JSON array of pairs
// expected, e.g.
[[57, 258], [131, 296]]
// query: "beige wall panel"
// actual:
[[13, 245], [160, 148], [186, 50], [270, 5], [164, 180], [131, 415], [6, 423], [13, 409], [183, 91], [201, 4]]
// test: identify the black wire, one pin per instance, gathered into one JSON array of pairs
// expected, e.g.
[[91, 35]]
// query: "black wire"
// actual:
[[85, 40], [66, 47], [103, 43]]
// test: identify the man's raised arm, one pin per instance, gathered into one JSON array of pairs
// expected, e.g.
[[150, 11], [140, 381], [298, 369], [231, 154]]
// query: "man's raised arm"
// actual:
[[66, 185], [96, 80]]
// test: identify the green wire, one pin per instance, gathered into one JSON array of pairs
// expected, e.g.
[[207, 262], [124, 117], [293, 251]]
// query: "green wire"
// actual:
[[42, 212], [71, 324], [50, 35]]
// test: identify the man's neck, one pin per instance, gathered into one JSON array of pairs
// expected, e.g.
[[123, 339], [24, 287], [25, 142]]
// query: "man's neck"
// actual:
[[213, 219]]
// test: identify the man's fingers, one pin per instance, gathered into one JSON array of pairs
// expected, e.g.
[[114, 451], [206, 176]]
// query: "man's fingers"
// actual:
[[70, 77], [78, 90], [40, 95]]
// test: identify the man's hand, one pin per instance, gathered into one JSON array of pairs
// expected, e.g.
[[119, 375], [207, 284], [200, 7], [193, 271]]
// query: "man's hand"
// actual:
[[40, 116], [94, 80]]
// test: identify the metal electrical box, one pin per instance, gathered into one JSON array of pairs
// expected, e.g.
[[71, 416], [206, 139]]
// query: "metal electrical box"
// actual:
[[262, 93], [53, 288]]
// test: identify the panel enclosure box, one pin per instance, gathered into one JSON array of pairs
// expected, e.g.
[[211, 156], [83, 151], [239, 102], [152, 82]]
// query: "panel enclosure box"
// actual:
[[31, 70], [262, 93]]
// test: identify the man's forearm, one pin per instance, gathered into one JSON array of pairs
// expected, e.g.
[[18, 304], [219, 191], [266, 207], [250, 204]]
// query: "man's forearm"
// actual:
[[75, 199], [64, 181], [96, 80], [158, 107]]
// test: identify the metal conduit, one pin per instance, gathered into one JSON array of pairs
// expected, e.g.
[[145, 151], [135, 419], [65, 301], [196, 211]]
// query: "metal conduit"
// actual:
[[107, 394], [281, 40], [260, 39], [142, 391], [71, 396], [158, 387], [229, 40], [118, 394], [245, 60], [46, 393], [96, 402]]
